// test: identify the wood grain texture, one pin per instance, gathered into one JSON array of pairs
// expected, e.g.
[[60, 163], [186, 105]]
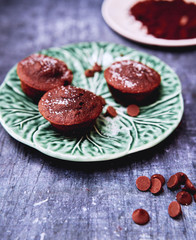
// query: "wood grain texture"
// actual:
[[44, 198]]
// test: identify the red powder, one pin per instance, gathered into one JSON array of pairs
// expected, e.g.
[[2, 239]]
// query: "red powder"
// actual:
[[167, 19]]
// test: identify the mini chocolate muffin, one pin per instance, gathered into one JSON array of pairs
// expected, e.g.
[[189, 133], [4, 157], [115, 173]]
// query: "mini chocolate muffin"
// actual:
[[70, 109], [39, 73], [132, 82]]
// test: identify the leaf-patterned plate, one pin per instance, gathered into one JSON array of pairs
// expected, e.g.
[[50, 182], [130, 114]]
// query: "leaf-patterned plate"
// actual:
[[111, 137]]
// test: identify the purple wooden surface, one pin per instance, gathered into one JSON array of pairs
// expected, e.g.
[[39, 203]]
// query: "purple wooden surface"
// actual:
[[45, 198]]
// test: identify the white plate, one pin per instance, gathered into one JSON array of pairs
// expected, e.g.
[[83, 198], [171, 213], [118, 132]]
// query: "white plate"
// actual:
[[116, 15]]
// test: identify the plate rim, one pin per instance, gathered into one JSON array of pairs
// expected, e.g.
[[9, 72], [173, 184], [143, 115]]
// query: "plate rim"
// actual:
[[159, 42], [106, 157]]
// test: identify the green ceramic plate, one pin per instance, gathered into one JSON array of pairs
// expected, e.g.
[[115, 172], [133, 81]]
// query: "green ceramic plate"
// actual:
[[111, 137]]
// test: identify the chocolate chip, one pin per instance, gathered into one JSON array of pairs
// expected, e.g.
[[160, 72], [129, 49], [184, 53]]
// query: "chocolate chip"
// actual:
[[184, 198], [133, 110], [182, 177], [194, 196], [190, 187], [174, 209], [185, 189], [156, 186], [173, 182], [111, 111], [140, 216], [97, 68], [89, 73], [143, 183], [160, 177]]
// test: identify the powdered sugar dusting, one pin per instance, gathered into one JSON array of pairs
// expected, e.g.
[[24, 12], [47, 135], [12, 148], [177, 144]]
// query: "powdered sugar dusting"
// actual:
[[56, 103], [51, 69], [45, 63], [118, 66], [63, 99], [129, 72], [48, 64], [127, 83]]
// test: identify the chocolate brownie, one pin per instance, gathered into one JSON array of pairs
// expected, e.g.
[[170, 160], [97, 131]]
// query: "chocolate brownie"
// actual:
[[70, 109], [131, 82], [39, 73]]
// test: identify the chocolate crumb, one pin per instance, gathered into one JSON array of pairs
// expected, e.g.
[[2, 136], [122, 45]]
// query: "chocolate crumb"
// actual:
[[89, 73], [97, 68]]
